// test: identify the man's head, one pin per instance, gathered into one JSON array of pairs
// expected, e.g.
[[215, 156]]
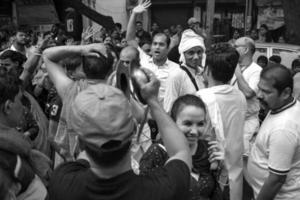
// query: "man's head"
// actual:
[[275, 86], [102, 118], [12, 61], [130, 55], [21, 36], [139, 26], [262, 61], [191, 49], [275, 59], [192, 22], [160, 46], [11, 108], [246, 47], [97, 67], [221, 63]]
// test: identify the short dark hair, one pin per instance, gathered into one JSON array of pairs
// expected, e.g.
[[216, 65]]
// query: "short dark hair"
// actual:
[[118, 25], [21, 29], [9, 87], [262, 59], [14, 56], [97, 67], [221, 62], [109, 154], [275, 59], [168, 40], [186, 100], [280, 75]]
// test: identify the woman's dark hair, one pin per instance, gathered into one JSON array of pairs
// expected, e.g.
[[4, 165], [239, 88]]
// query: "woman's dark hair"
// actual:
[[183, 101]]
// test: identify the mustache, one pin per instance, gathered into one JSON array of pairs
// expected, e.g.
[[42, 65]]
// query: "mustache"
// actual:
[[263, 102]]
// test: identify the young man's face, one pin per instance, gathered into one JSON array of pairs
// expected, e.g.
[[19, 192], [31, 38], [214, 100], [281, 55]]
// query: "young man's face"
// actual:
[[8, 64], [159, 47], [21, 38]]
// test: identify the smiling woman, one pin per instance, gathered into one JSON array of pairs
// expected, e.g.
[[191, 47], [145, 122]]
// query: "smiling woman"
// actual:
[[189, 113]]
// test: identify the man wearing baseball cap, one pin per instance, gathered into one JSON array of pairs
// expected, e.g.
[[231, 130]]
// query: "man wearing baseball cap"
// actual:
[[101, 117]]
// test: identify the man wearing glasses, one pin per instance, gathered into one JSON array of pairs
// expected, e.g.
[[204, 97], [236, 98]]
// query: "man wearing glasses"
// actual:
[[246, 79]]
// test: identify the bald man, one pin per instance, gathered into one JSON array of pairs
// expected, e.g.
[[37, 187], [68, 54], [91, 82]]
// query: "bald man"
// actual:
[[246, 78]]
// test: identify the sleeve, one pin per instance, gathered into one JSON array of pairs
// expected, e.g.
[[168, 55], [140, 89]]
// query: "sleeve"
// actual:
[[143, 57], [172, 92], [179, 178], [282, 146], [253, 80]]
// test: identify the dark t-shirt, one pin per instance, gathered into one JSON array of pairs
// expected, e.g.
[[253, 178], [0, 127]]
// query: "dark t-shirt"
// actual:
[[75, 180]]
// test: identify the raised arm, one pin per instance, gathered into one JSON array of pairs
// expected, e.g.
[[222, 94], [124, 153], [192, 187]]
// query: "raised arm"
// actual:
[[174, 140], [53, 55], [131, 29], [33, 61]]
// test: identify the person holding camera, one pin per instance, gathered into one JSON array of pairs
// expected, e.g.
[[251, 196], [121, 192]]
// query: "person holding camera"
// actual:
[[102, 119]]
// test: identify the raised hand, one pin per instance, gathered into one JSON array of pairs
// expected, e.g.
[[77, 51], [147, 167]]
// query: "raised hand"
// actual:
[[149, 90], [216, 151], [142, 7]]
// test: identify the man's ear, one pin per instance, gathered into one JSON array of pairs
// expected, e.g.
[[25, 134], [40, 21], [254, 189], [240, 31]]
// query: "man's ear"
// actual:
[[7, 106], [286, 93]]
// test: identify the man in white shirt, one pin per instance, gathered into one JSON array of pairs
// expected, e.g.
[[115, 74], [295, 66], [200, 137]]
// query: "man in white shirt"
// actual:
[[246, 79], [188, 78], [226, 106], [274, 162], [158, 63], [20, 42]]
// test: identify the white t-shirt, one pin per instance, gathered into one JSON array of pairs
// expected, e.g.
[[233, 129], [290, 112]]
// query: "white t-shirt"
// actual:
[[179, 83], [251, 75], [161, 72], [232, 105], [277, 150]]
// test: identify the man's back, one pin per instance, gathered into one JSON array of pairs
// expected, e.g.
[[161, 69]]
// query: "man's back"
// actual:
[[232, 105], [75, 180]]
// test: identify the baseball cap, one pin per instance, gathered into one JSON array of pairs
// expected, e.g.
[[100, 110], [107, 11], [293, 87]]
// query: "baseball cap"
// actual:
[[193, 20], [101, 113]]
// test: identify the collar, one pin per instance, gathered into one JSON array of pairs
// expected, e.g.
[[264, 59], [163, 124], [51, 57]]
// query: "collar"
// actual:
[[164, 65], [197, 71], [285, 107]]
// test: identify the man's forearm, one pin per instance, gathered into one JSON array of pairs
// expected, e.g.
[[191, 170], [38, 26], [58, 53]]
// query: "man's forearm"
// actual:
[[174, 140], [271, 187], [244, 87], [55, 54], [130, 34], [29, 67]]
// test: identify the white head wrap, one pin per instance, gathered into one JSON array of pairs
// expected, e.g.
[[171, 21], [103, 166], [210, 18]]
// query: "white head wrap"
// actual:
[[190, 39]]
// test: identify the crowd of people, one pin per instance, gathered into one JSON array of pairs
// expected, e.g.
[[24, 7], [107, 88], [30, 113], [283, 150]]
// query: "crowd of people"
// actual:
[[205, 123]]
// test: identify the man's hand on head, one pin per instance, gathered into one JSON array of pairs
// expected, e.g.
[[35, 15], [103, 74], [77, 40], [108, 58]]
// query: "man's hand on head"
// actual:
[[94, 50], [149, 90]]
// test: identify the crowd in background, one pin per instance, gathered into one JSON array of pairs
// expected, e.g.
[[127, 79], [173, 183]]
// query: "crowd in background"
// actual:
[[209, 122]]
